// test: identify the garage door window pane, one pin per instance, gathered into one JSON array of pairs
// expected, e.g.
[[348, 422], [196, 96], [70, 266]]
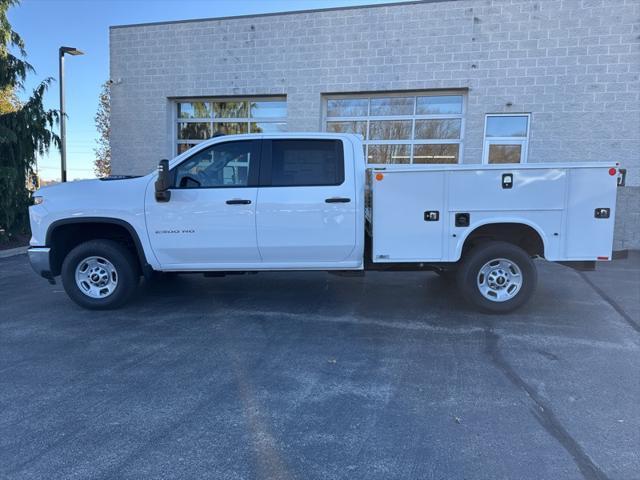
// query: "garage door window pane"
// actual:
[[232, 128], [392, 106], [348, 127], [357, 107], [392, 124], [505, 153], [507, 126], [194, 131], [306, 162], [436, 153], [227, 116], [230, 110], [183, 147], [268, 109], [390, 130], [442, 104], [438, 129], [389, 154], [268, 127], [194, 110]]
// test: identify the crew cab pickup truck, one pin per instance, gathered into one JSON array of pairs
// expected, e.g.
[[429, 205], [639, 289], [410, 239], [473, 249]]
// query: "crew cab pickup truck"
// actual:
[[301, 201]]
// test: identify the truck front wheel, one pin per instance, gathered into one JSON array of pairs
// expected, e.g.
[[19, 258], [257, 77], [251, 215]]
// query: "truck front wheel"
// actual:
[[99, 274], [497, 277]]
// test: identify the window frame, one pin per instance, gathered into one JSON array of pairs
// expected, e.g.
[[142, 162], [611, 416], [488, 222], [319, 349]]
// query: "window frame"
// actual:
[[412, 117], [212, 119], [254, 167], [266, 163], [522, 141]]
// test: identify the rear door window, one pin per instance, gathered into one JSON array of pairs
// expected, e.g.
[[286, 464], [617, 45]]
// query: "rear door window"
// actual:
[[296, 163]]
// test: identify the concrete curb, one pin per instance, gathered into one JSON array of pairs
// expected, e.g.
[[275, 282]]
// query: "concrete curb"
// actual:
[[12, 252]]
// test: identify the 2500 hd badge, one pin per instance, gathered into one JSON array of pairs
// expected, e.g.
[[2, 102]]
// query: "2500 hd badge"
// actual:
[[160, 232]]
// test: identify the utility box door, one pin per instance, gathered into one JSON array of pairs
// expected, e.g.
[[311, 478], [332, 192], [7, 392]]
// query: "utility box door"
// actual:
[[408, 216], [589, 237]]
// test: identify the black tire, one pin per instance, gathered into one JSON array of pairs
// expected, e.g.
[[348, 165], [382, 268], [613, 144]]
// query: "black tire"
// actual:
[[468, 276], [126, 271]]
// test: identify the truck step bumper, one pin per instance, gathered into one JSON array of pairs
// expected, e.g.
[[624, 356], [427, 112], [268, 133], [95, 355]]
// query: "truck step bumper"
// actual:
[[39, 257]]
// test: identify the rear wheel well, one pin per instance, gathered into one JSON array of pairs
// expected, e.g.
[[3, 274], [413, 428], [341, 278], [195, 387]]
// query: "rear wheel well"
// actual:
[[65, 237], [519, 234]]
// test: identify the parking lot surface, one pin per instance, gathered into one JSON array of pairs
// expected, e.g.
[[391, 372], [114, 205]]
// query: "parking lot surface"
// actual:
[[314, 376]]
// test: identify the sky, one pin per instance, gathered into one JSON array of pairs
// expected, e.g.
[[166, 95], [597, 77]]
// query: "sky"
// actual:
[[45, 25]]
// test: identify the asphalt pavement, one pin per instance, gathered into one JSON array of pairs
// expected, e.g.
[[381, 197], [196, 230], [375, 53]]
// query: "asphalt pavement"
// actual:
[[315, 376]]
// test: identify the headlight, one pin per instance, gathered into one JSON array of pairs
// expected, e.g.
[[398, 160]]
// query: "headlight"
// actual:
[[38, 200]]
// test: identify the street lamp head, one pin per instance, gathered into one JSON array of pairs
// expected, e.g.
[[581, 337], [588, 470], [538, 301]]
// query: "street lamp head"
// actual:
[[70, 51]]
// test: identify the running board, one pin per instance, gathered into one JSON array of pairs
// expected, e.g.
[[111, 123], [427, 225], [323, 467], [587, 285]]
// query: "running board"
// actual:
[[347, 273]]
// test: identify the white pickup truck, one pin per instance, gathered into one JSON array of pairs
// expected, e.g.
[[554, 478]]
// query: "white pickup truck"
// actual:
[[301, 201]]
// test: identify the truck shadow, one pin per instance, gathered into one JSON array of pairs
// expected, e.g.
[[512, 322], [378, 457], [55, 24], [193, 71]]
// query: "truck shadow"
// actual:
[[381, 296], [563, 306]]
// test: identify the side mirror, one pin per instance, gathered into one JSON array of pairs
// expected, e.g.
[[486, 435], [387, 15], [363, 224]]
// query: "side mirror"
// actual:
[[163, 183]]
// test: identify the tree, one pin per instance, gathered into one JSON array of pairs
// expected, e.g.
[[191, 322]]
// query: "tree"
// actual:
[[102, 163], [25, 129], [8, 101]]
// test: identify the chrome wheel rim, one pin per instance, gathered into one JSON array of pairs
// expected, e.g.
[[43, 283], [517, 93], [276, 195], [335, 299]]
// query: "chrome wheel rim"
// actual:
[[96, 277], [499, 280]]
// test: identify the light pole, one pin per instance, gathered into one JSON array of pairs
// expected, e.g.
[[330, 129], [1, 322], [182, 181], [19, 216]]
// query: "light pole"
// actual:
[[63, 133]]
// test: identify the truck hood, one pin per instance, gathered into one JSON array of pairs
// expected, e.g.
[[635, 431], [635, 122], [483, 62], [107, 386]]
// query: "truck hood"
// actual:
[[94, 197], [94, 188]]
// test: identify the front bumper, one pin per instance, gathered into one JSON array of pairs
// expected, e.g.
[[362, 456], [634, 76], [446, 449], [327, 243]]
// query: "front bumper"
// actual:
[[39, 257]]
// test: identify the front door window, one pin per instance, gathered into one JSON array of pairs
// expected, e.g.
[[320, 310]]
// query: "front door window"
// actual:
[[221, 165]]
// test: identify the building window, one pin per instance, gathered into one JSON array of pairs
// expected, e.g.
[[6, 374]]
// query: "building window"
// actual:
[[198, 120], [506, 138], [415, 128]]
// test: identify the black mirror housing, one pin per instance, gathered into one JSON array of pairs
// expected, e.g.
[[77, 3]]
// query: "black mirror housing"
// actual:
[[163, 183]]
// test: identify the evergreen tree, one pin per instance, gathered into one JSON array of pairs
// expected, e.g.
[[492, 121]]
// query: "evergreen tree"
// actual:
[[8, 101], [25, 128]]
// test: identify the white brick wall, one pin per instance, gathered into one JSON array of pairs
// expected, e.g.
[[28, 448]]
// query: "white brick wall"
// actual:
[[573, 64]]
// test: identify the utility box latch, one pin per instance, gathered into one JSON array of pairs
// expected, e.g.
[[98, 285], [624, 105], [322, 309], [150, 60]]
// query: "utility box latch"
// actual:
[[431, 216], [507, 180]]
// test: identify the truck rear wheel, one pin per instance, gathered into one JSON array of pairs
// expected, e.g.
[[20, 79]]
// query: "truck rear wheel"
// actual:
[[99, 274], [497, 277]]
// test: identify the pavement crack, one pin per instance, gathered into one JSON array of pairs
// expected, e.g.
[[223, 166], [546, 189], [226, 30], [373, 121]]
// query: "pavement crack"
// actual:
[[615, 305], [542, 412]]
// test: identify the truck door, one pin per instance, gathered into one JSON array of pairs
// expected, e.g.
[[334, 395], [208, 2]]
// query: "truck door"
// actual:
[[306, 209], [209, 221]]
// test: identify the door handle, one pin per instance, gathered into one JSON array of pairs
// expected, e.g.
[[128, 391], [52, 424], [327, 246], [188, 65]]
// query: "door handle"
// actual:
[[337, 200], [238, 202]]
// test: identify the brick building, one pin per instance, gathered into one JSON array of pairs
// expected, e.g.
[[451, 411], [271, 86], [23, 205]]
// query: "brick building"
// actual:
[[433, 81]]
